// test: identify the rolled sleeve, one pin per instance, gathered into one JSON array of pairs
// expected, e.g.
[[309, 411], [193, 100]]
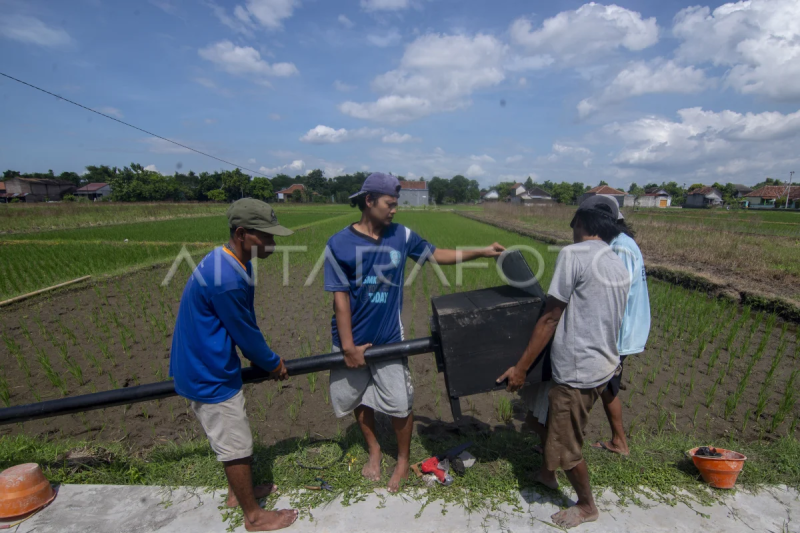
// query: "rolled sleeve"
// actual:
[[235, 314]]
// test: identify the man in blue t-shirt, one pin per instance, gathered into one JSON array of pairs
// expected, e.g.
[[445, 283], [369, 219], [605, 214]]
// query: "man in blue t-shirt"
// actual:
[[632, 334], [364, 268], [216, 315]]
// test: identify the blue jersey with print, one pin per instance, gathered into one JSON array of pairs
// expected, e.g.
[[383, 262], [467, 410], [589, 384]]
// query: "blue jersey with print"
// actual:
[[636, 321], [372, 272], [216, 315]]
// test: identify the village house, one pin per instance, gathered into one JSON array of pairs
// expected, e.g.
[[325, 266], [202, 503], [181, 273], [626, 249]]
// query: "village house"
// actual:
[[36, 190], [490, 196], [286, 194], [655, 197], [769, 195], [704, 197], [413, 193], [94, 191], [623, 199], [741, 190], [534, 196]]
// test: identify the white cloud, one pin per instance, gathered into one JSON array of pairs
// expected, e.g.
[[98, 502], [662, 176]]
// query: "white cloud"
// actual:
[[399, 138], [327, 135], [482, 158], [385, 39], [274, 116], [578, 153], [152, 168], [244, 61], [706, 141], [514, 159], [343, 87], [346, 22], [268, 14], [475, 171], [160, 146], [592, 30], [112, 111], [646, 77], [437, 73], [385, 5], [251, 161], [758, 39], [298, 165], [31, 30]]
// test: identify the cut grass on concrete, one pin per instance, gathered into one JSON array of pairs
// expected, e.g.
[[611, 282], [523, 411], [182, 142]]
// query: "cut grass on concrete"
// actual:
[[657, 468]]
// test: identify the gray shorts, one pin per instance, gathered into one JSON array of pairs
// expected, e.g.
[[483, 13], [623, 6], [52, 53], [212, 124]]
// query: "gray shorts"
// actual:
[[385, 387], [226, 427]]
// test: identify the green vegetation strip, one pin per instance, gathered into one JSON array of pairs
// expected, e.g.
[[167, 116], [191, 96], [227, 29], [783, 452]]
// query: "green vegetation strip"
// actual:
[[657, 468]]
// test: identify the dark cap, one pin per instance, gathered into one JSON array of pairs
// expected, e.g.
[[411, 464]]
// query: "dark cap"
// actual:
[[379, 183], [601, 204], [249, 213]]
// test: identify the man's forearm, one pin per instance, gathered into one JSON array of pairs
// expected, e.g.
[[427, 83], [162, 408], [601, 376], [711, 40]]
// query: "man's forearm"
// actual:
[[542, 333], [344, 319], [450, 257]]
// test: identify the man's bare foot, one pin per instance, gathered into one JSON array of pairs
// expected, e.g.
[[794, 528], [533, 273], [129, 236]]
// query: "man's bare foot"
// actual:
[[574, 516], [400, 474], [548, 479], [271, 520], [260, 491], [372, 470], [613, 448]]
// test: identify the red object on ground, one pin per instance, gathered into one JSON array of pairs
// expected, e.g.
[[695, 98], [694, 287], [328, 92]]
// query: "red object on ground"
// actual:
[[23, 488], [431, 466], [719, 472]]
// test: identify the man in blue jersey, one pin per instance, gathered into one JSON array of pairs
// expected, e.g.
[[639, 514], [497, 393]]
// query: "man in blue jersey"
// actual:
[[215, 316], [632, 335], [364, 269]]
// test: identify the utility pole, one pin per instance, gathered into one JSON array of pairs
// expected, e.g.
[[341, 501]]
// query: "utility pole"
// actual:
[[789, 190]]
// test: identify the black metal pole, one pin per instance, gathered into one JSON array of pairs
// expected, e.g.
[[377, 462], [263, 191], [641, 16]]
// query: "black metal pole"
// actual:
[[164, 389]]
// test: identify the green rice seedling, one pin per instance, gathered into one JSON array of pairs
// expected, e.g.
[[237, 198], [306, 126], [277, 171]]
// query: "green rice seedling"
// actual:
[[25, 332], [16, 350], [92, 359], [730, 405], [793, 425], [325, 396], [5, 390], [691, 382], [661, 419], [712, 391], [694, 416], [299, 398], [684, 395], [504, 409], [294, 411], [312, 382], [769, 380], [744, 420], [712, 361], [76, 371], [786, 405], [52, 375], [112, 381]]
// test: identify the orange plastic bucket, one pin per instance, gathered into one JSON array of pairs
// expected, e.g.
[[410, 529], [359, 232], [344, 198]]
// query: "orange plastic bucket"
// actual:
[[719, 472], [23, 488]]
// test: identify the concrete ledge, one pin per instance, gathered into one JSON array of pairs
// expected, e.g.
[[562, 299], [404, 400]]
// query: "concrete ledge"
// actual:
[[144, 509]]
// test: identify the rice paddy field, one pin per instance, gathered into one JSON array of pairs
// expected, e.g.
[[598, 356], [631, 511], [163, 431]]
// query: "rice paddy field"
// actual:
[[713, 372]]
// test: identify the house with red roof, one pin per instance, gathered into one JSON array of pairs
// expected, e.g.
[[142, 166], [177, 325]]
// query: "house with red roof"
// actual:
[[285, 194], [623, 199], [413, 193], [704, 197], [770, 194]]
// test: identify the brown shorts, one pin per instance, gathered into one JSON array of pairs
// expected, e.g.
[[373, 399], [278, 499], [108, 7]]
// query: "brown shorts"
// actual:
[[566, 422]]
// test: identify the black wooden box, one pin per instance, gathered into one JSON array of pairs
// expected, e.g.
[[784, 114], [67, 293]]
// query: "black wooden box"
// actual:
[[481, 334]]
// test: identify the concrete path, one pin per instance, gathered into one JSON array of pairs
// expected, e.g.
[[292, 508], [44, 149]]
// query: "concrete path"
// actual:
[[103, 508]]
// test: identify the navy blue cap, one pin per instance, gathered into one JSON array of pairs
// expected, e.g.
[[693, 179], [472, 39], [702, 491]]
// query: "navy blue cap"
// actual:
[[379, 183]]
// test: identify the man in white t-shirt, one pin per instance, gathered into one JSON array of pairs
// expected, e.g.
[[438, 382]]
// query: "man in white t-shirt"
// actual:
[[583, 315]]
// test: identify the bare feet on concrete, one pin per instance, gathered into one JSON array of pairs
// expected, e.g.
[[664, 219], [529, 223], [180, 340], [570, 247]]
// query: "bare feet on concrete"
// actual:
[[259, 491], [400, 474], [271, 520], [574, 516], [372, 470], [611, 446]]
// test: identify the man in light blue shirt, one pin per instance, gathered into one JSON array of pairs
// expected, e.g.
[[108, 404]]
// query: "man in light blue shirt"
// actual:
[[632, 335]]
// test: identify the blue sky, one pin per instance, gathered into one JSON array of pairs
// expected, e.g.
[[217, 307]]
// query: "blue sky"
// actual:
[[638, 91]]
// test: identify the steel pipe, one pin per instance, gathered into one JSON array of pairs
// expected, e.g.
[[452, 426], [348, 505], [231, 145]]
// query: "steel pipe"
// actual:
[[165, 389]]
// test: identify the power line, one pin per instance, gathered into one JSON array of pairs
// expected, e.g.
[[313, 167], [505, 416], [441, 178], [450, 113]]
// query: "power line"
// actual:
[[131, 125]]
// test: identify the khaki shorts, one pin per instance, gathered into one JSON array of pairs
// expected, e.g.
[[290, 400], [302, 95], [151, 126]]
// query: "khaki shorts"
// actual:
[[568, 415], [384, 386], [226, 427]]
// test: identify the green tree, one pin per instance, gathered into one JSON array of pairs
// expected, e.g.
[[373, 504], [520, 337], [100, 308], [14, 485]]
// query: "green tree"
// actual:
[[235, 183], [297, 196], [529, 184], [602, 183], [437, 189], [694, 186], [635, 190], [217, 195], [261, 188], [458, 188], [8, 174]]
